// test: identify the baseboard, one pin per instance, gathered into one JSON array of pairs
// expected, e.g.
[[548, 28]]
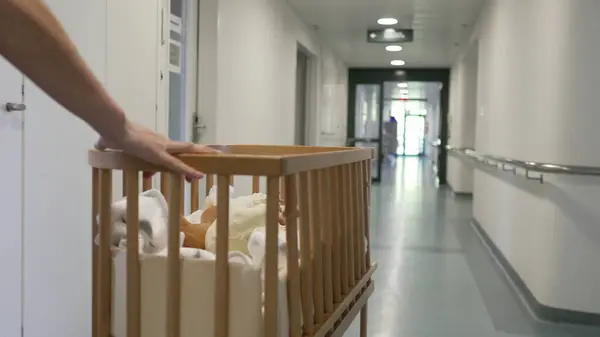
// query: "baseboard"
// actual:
[[541, 311], [459, 193]]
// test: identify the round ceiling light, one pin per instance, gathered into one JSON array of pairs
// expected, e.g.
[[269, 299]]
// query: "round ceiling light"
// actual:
[[387, 21], [393, 48], [402, 85], [397, 63]]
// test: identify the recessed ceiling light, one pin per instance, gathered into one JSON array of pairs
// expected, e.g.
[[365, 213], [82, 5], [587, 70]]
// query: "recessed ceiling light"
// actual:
[[397, 63], [387, 21], [402, 85], [393, 48]]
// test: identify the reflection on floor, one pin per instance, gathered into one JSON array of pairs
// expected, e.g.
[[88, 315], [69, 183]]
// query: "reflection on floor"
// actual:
[[434, 276]]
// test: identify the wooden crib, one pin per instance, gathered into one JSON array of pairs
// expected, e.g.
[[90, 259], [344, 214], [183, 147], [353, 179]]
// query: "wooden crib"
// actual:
[[326, 191]]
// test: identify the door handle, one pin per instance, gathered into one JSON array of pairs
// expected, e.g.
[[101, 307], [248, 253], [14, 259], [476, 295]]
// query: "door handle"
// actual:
[[14, 107]]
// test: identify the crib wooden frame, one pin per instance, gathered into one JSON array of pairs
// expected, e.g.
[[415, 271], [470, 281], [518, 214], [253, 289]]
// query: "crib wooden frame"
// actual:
[[326, 191]]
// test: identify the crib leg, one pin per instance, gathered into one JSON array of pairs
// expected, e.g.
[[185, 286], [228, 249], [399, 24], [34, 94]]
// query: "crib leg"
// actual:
[[363, 321]]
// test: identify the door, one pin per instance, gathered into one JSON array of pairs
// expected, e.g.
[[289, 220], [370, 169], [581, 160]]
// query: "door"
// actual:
[[301, 98], [11, 199], [177, 70], [413, 142], [366, 131]]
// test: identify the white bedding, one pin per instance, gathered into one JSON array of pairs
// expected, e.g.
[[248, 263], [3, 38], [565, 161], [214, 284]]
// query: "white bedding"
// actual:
[[198, 270], [198, 277]]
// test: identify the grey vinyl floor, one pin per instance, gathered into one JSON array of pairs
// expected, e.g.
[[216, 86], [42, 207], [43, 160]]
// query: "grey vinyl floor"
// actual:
[[435, 278]]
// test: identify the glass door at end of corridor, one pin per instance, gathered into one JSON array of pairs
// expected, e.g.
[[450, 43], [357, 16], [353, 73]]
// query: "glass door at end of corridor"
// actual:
[[406, 122], [364, 117], [413, 140]]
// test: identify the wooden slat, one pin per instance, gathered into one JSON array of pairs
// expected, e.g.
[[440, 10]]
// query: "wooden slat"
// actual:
[[306, 267], [367, 168], [210, 181], [363, 321], [282, 186], [222, 264], [315, 223], [361, 216], [271, 259], [95, 210], [355, 206], [291, 232], [164, 185], [348, 220], [134, 299], [336, 251], [173, 256], [342, 237], [255, 184], [105, 257], [325, 180], [195, 195], [334, 319]]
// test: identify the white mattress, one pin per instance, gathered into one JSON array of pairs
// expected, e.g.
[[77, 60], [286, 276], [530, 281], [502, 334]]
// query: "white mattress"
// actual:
[[197, 300]]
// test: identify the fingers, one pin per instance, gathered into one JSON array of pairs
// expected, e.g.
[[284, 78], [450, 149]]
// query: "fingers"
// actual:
[[185, 147], [179, 166], [100, 144]]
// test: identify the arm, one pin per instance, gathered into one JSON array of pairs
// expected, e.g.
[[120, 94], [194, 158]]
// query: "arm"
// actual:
[[34, 41]]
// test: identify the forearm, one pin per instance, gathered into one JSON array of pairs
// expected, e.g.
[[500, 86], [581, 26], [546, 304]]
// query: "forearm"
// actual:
[[32, 39]]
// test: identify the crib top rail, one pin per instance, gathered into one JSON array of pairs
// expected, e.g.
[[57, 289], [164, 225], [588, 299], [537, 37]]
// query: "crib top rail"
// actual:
[[256, 160]]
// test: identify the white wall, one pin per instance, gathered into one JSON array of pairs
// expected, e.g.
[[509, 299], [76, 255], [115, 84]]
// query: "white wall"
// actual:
[[537, 100], [251, 75], [462, 118], [433, 121], [257, 43], [118, 39]]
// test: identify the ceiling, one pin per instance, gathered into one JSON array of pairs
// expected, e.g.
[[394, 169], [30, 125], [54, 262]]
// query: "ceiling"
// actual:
[[439, 27]]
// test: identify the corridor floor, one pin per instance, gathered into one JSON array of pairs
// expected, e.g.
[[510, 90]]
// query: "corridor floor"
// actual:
[[435, 278]]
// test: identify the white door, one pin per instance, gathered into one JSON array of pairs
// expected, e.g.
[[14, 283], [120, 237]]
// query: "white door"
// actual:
[[11, 197]]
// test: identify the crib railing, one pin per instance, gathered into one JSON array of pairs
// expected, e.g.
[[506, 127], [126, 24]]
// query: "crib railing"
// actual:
[[326, 193]]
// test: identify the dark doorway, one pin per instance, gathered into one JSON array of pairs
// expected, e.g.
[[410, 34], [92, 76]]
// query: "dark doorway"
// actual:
[[366, 101], [302, 61]]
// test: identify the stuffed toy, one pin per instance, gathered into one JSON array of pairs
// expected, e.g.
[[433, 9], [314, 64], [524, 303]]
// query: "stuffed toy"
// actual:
[[195, 233]]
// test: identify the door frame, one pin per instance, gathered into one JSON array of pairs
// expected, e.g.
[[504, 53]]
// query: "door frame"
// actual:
[[420, 154], [302, 118], [379, 76]]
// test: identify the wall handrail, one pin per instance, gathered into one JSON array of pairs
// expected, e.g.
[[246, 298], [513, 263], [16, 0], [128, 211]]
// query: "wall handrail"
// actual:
[[508, 164]]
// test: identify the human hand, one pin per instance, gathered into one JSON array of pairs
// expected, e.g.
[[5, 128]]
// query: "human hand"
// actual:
[[154, 148]]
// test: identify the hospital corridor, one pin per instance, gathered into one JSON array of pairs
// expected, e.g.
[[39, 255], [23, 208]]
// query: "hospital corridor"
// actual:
[[380, 168]]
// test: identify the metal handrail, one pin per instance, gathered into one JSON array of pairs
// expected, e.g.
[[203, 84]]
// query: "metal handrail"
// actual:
[[507, 164]]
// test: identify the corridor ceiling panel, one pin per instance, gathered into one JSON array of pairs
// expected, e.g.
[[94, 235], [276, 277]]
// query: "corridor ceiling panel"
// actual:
[[439, 27]]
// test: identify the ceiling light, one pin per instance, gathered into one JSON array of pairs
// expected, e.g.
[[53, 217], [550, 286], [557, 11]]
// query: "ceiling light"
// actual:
[[402, 85], [393, 48], [397, 63], [387, 21]]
